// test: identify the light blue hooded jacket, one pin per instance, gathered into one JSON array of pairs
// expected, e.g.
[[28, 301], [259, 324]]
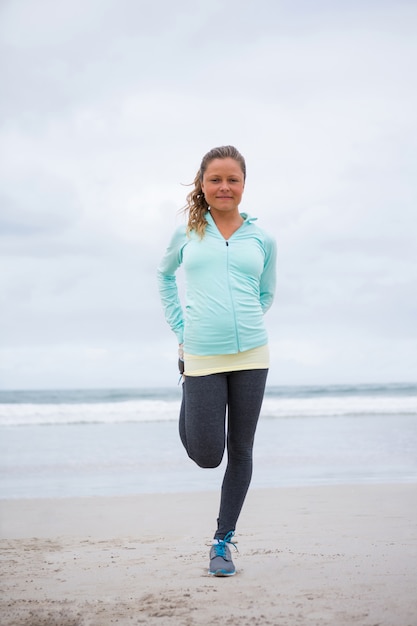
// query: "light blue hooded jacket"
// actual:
[[229, 284]]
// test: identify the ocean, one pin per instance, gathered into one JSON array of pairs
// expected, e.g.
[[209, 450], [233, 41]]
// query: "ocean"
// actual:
[[65, 443]]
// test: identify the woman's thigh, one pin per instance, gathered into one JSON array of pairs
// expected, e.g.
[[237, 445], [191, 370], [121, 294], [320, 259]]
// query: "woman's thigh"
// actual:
[[205, 400], [245, 395]]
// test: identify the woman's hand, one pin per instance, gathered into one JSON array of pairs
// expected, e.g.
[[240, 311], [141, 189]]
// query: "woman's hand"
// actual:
[[181, 358]]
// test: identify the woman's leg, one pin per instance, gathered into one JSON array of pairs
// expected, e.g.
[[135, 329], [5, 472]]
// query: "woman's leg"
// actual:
[[202, 431], [202, 418], [244, 395]]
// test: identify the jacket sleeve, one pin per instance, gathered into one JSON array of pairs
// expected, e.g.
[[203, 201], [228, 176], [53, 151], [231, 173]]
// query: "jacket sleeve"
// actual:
[[167, 283], [268, 277]]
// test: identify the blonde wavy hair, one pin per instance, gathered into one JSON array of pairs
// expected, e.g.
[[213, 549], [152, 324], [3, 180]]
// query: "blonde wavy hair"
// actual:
[[197, 206]]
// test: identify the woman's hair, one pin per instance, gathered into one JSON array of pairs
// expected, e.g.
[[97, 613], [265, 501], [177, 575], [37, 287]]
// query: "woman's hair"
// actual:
[[196, 203]]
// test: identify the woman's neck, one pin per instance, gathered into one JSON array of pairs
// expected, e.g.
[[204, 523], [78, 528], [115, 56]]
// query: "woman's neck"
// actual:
[[227, 222]]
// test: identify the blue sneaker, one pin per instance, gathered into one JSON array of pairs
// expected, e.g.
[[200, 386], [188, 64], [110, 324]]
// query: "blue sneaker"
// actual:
[[221, 563]]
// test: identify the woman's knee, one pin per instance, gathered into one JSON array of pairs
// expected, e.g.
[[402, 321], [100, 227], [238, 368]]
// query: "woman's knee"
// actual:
[[206, 458]]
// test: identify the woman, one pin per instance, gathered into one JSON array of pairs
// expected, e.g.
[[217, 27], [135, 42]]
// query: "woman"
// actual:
[[229, 265]]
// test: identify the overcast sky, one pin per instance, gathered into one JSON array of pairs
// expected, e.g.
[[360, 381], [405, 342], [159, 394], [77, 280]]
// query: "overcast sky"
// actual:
[[107, 107]]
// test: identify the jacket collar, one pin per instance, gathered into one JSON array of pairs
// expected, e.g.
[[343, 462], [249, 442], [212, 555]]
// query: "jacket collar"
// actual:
[[247, 219]]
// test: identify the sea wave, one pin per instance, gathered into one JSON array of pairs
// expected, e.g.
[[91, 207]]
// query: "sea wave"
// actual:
[[335, 406], [88, 413], [156, 409]]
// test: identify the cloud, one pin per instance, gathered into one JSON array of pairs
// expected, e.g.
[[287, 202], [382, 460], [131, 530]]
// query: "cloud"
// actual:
[[43, 205]]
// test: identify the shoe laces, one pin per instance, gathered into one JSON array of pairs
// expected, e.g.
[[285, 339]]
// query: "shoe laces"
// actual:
[[220, 547]]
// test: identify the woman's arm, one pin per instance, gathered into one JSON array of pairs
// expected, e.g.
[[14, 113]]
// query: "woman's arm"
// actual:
[[268, 277], [167, 283]]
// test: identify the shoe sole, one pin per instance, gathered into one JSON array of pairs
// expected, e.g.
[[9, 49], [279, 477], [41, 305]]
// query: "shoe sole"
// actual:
[[221, 574]]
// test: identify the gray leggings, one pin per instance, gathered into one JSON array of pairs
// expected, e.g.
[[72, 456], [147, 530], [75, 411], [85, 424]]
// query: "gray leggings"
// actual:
[[203, 431]]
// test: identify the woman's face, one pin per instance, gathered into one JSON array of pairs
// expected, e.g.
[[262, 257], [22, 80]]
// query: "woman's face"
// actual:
[[223, 183]]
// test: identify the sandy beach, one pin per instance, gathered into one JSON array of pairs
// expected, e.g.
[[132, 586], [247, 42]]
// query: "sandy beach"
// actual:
[[328, 555]]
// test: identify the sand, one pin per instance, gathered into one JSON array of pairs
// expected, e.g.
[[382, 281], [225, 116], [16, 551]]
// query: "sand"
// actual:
[[320, 555]]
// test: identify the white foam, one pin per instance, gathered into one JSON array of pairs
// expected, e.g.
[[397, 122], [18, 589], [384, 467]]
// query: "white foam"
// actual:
[[90, 413], [151, 410], [333, 406]]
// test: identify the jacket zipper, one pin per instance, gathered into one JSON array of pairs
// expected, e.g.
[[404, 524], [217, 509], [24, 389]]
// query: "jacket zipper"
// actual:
[[231, 297]]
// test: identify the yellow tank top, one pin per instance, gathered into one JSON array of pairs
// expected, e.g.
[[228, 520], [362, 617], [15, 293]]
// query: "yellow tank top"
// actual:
[[254, 359]]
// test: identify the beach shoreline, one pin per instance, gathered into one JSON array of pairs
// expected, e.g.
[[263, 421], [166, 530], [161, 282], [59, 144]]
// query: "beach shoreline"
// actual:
[[326, 555]]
